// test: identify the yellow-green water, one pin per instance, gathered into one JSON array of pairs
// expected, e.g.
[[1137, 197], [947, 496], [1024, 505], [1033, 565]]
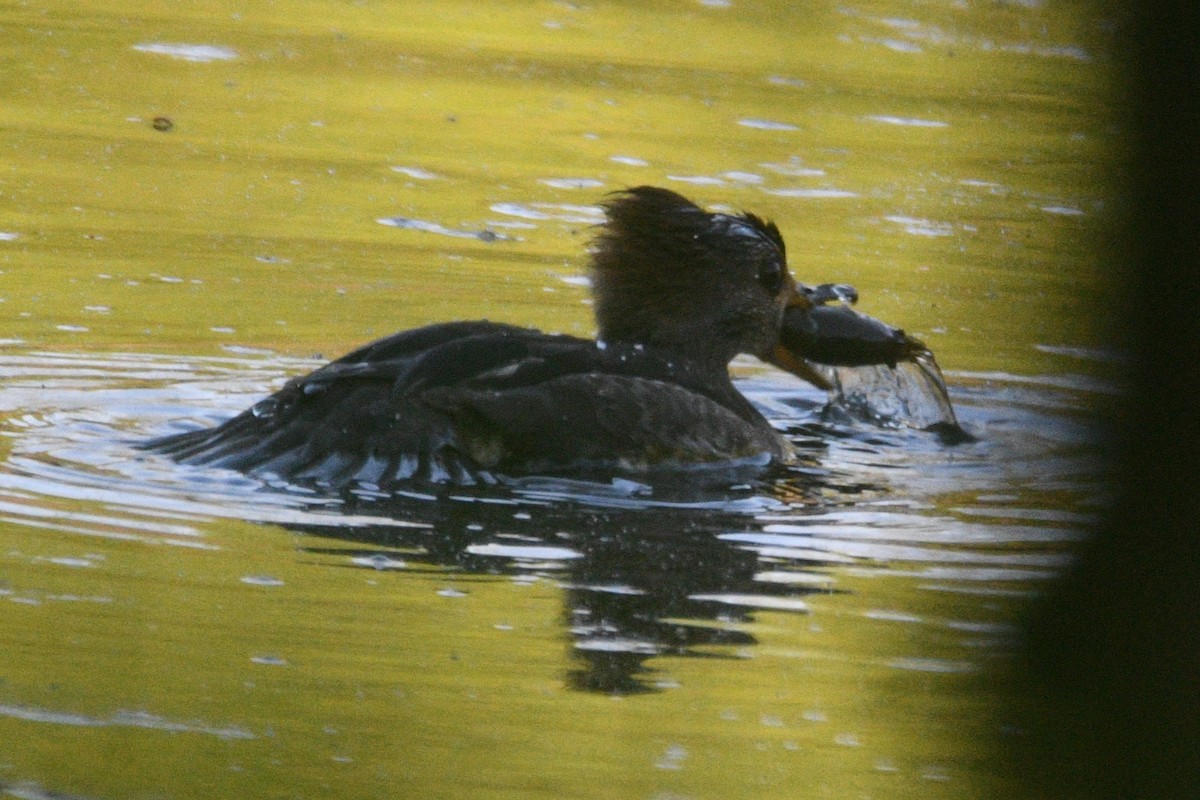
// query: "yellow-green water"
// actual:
[[951, 161]]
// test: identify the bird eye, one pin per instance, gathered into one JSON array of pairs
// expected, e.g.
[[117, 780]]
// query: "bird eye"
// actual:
[[770, 275]]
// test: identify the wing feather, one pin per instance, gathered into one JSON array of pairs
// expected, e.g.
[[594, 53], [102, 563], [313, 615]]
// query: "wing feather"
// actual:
[[453, 403]]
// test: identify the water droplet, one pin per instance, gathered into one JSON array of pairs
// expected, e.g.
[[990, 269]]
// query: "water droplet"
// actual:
[[265, 409]]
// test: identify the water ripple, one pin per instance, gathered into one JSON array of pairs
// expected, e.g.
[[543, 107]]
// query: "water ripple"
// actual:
[[133, 719], [647, 567]]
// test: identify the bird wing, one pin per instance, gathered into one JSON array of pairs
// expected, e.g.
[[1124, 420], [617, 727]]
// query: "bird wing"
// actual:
[[457, 401]]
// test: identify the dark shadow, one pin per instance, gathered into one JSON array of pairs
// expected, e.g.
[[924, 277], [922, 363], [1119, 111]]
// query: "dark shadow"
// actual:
[[1112, 702]]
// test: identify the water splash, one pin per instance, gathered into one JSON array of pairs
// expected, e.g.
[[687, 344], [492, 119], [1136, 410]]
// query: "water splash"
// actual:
[[911, 394]]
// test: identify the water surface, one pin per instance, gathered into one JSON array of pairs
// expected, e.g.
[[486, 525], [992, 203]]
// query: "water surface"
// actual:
[[200, 200]]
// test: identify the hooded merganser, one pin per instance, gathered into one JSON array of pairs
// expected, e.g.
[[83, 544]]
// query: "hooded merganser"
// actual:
[[679, 292]]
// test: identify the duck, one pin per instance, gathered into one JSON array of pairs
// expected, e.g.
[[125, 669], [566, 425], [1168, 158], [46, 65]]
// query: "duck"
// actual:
[[678, 293]]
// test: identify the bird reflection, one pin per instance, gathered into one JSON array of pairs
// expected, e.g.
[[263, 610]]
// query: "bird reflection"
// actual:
[[646, 577], [636, 594]]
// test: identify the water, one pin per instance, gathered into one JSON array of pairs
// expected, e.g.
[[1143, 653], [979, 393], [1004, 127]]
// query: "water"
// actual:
[[277, 185], [789, 616]]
